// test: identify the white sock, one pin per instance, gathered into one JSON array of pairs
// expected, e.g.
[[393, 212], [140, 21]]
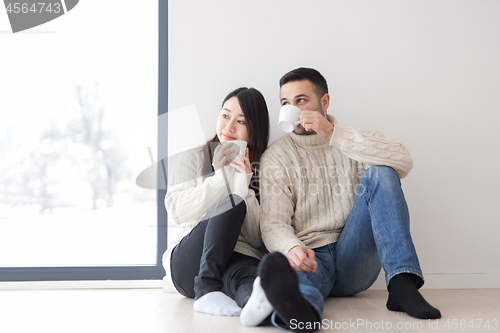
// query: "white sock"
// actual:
[[216, 303], [257, 308]]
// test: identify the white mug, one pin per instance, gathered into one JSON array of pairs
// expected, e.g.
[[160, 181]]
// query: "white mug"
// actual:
[[239, 146], [289, 117]]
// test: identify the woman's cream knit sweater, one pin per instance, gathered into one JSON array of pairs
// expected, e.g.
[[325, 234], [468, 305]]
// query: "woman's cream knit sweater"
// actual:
[[190, 196], [308, 184]]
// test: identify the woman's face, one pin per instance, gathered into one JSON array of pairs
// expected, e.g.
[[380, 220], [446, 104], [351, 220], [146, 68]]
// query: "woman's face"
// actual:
[[231, 123]]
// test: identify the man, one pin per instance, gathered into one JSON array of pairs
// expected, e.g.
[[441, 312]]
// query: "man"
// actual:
[[333, 212]]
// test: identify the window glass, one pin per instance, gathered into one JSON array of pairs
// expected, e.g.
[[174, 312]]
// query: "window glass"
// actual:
[[78, 111]]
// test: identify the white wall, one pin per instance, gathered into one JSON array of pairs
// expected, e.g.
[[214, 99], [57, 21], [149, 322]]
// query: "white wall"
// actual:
[[426, 73]]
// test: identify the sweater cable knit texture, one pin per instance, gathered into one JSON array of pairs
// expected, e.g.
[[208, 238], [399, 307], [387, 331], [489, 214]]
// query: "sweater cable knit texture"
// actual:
[[191, 195], [308, 184]]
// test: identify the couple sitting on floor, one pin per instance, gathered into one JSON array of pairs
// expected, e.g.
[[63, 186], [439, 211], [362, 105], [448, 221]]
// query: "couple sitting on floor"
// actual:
[[325, 201]]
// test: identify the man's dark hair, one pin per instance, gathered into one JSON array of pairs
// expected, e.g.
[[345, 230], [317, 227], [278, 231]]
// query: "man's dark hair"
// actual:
[[310, 74]]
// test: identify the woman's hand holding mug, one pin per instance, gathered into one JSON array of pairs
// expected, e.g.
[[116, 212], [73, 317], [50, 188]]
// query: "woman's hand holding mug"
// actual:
[[242, 164], [220, 159]]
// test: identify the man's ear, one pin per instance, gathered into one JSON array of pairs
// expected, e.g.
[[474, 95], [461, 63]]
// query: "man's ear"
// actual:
[[325, 102]]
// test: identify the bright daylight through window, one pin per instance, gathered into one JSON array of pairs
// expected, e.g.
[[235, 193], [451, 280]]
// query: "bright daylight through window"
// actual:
[[79, 105]]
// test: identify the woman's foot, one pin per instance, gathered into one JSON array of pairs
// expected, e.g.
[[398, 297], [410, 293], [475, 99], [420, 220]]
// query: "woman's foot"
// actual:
[[257, 308], [405, 297], [216, 303]]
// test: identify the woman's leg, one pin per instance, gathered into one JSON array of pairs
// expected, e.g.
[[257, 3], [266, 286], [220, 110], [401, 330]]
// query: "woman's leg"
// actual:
[[221, 235], [242, 284], [185, 260], [198, 261], [241, 271]]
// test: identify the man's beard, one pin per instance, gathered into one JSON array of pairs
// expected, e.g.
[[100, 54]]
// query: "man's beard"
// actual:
[[299, 130]]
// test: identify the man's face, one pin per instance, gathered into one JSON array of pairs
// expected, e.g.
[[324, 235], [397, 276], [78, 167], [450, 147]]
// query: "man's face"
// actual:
[[303, 95]]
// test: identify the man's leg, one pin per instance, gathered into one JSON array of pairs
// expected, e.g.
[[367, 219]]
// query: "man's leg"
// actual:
[[378, 233], [297, 297]]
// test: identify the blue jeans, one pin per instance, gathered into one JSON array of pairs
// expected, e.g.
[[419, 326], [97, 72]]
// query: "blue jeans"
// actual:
[[377, 233]]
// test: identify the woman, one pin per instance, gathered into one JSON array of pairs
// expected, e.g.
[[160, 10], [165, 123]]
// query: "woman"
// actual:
[[214, 202]]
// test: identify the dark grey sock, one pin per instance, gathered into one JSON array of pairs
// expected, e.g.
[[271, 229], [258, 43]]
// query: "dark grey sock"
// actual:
[[281, 286], [405, 297]]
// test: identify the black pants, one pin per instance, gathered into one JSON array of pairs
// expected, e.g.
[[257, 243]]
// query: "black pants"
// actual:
[[205, 261]]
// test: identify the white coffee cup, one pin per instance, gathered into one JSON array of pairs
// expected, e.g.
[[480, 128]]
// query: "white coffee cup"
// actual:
[[239, 146], [289, 117]]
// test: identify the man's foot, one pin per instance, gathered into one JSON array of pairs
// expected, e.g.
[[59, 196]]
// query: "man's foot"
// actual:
[[281, 286], [405, 297], [257, 308], [216, 303]]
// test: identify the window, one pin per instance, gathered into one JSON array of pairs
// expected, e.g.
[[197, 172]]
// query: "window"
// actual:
[[79, 109]]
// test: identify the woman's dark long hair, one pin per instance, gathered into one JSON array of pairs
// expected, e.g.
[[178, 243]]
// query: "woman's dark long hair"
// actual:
[[254, 109]]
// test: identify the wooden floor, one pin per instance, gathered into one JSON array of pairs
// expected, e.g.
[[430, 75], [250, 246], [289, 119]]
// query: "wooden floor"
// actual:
[[152, 311]]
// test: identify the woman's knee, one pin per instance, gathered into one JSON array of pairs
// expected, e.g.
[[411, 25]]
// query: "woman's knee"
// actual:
[[228, 210], [232, 202]]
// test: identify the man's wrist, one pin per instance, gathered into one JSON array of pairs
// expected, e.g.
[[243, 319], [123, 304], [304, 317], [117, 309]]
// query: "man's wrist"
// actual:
[[291, 248], [332, 132]]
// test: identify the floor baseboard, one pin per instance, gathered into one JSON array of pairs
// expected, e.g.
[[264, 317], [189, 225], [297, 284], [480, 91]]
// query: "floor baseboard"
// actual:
[[107, 284], [451, 281], [432, 281]]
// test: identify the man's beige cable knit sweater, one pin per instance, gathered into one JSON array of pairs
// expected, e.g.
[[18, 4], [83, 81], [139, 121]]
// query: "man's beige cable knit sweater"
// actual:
[[308, 184]]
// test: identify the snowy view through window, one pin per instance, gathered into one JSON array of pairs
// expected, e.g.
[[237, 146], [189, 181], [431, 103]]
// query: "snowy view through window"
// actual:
[[78, 111]]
